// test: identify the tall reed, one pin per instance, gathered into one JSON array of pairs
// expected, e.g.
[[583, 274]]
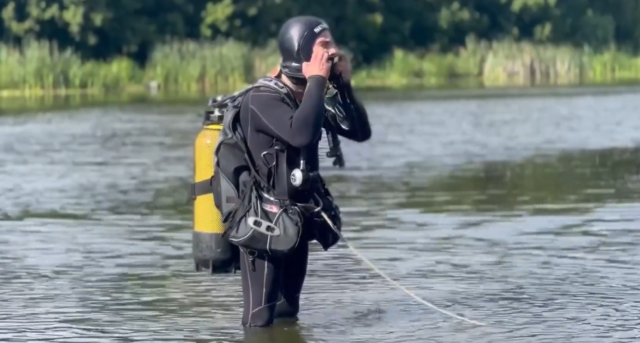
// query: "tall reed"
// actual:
[[222, 66]]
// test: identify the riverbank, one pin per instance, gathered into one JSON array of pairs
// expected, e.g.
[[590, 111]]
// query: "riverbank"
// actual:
[[40, 68]]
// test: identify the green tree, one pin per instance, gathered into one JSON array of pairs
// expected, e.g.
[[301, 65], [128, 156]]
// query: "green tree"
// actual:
[[370, 29]]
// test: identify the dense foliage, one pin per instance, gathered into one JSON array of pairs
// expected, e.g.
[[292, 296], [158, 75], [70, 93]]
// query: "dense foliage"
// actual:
[[371, 29]]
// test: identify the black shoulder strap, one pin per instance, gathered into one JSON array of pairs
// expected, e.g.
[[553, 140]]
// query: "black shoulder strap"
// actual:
[[281, 172], [278, 86]]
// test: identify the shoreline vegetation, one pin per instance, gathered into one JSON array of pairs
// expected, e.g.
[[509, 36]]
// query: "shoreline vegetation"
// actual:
[[39, 68]]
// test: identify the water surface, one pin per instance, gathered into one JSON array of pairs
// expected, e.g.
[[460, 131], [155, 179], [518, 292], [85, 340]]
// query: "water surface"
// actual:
[[521, 211]]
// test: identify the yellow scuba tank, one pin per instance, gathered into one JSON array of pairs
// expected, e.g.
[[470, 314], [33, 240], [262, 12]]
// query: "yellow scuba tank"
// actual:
[[211, 251]]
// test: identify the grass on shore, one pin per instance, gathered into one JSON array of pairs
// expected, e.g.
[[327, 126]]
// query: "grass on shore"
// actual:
[[216, 67]]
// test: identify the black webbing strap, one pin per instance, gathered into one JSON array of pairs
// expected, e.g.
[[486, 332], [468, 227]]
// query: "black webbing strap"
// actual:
[[201, 188]]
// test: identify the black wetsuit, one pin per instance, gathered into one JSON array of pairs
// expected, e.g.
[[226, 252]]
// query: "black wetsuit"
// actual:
[[271, 286]]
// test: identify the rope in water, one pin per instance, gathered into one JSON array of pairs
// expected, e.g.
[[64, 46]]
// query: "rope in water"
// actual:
[[393, 282]]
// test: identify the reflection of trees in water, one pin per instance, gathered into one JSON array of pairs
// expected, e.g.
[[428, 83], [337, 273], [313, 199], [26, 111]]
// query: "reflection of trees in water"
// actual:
[[52, 103], [172, 200], [571, 178], [280, 332], [70, 102]]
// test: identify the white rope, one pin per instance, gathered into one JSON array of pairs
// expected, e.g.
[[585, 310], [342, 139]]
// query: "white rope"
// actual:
[[396, 284]]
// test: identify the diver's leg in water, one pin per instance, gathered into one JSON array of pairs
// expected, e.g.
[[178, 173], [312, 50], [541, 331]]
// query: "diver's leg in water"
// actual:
[[261, 275], [294, 272], [276, 334]]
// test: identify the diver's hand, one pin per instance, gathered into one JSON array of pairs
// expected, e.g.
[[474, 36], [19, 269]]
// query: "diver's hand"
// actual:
[[318, 65], [343, 66]]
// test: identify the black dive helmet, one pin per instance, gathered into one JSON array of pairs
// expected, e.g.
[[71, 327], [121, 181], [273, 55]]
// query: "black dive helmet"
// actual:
[[295, 42]]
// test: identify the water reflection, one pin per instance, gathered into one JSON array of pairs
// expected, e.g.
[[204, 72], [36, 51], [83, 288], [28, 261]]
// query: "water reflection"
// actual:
[[27, 105], [563, 184], [464, 90], [279, 333]]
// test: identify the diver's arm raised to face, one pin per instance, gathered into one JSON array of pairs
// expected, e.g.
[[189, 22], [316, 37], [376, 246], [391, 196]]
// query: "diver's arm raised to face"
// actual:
[[277, 119]]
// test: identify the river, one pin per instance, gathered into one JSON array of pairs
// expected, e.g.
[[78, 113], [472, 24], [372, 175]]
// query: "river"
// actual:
[[520, 211]]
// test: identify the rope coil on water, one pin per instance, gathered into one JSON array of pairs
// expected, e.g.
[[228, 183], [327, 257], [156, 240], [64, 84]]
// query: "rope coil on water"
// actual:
[[395, 283]]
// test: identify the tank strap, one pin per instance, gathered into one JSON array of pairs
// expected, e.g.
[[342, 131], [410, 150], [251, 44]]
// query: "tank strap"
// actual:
[[203, 187]]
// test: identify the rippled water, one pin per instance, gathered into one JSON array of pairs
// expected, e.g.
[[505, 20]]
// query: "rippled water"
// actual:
[[522, 212]]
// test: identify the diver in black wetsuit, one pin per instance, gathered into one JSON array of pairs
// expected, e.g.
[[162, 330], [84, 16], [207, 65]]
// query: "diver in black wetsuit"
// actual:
[[272, 285]]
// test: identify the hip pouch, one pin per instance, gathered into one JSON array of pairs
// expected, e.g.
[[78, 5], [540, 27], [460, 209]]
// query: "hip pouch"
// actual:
[[264, 225]]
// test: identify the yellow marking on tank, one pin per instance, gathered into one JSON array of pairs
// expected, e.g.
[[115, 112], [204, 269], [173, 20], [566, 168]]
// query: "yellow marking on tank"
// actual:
[[206, 217]]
